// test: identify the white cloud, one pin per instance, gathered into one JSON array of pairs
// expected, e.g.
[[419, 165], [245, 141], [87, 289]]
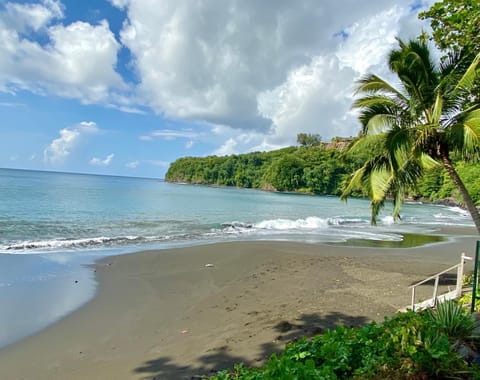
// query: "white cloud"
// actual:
[[227, 148], [255, 73], [102, 162], [170, 134], [311, 100], [269, 67], [77, 61], [132, 164], [60, 148], [33, 16], [370, 39], [135, 164]]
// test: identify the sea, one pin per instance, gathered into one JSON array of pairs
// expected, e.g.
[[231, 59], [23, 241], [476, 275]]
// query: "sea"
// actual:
[[54, 225]]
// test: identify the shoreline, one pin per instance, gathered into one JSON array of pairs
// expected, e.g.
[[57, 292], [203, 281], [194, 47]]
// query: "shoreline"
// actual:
[[165, 314]]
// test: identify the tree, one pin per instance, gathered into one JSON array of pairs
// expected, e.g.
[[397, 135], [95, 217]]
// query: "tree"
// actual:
[[286, 173], [308, 139], [455, 24], [417, 125]]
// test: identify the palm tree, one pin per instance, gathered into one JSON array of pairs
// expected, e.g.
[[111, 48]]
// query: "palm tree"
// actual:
[[417, 124]]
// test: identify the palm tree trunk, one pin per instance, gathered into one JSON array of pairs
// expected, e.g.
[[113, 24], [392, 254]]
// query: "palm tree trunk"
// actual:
[[472, 209]]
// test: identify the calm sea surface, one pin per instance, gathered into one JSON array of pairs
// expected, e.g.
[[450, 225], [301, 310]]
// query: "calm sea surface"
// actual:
[[51, 224]]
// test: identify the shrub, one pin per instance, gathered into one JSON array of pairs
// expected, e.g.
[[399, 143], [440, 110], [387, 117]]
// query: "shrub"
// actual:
[[408, 346], [451, 318]]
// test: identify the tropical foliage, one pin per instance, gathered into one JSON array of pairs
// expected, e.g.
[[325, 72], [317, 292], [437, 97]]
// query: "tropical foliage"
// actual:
[[319, 170], [314, 169], [416, 125], [407, 346], [455, 25]]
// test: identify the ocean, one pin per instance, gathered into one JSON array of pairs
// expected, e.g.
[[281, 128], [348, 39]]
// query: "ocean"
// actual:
[[52, 225]]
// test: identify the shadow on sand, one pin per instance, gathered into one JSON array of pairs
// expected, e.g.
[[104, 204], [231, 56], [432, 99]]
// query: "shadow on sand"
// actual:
[[306, 325], [446, 279]]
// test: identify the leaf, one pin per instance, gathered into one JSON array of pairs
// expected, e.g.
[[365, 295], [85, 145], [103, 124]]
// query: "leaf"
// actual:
[[428, 162], [380, 181], [468, 79], [437, 109]]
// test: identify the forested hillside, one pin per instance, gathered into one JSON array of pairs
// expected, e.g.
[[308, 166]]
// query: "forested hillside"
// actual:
[[318, 169]]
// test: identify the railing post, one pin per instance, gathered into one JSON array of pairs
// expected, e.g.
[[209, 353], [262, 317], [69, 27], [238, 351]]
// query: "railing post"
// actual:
[[458, 290], [435, 291], [413, 298], [475, 277]]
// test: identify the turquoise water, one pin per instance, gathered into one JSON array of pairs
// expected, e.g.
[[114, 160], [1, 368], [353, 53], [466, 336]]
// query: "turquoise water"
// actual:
[[57, 212], [53, 224]]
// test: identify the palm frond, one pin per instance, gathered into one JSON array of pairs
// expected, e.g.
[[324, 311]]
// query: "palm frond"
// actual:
[[379, 183], [428, 162], [468, 79], [471, 126], [367, 143], [355, 182], [397, 203], [376, 207], [372, 83], [413, 65], [398, 146], [437, 109], [380, 123]]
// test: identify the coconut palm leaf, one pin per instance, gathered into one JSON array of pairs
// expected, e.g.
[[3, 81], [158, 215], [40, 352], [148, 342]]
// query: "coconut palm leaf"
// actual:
[[415, 125]]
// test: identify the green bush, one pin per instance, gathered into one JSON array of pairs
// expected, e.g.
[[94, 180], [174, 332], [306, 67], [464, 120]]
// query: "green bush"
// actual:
[[451, 318], [408, 346]]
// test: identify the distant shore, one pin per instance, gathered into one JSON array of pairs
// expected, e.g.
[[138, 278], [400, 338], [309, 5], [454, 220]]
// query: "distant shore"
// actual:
[[181, 313]]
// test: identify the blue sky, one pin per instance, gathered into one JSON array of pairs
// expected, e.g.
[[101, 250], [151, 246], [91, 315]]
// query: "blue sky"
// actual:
[[124, 87]]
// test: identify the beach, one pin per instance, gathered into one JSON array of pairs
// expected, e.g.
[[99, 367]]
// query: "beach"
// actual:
[[187, 312]]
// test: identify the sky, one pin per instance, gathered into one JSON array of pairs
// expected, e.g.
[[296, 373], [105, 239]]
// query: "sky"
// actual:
[[125, 87]]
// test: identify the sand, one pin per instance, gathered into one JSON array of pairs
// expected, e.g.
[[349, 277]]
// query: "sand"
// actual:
[[183, 313]]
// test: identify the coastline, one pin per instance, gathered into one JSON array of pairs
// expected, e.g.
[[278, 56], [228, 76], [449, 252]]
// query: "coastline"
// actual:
[[165, 314]]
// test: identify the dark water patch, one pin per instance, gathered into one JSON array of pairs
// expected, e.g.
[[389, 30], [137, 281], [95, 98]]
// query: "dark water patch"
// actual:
[[408, 241]]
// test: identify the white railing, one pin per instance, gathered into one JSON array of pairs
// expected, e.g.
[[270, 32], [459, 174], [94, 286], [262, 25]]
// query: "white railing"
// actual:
[[451, 294]]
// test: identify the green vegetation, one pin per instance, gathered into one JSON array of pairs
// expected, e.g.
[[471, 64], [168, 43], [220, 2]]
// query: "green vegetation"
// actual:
[[455, 25], [408, 346], [306, 139], [317, 169], [418, 140], [419, 124]]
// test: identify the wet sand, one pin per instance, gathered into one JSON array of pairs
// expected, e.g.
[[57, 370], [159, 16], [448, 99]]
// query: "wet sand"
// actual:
[[183, 313]]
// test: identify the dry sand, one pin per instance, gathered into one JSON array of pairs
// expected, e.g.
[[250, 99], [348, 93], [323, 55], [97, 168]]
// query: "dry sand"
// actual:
[[166, 315]]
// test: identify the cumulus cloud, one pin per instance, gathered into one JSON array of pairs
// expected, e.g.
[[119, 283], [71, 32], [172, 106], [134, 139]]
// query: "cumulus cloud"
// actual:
[[102, 162], [34, 16], [77, 61], [311, 100], [265, 69], [60, 148], [255, 73]]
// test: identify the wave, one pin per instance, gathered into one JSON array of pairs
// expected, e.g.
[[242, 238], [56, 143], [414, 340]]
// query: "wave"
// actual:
[[184, 233], [72, 244], [311, 223], [148, 233]]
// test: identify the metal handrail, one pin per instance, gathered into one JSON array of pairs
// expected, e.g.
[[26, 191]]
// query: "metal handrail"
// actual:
[[454, 294]]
